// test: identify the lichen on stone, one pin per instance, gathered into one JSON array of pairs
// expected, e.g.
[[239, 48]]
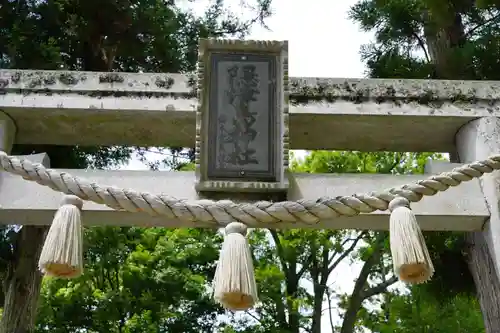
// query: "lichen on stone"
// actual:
[[431, 93], [191, 80], [3, 83], [166, 82], [16, 77], [302, 93], [68, 78], [192, 84], [111, 78], [34, 82], [49, 80], [140, 94]]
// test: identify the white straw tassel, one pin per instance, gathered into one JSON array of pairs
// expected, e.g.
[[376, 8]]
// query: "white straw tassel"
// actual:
[[62, 253], [410, 256], [234, 281]]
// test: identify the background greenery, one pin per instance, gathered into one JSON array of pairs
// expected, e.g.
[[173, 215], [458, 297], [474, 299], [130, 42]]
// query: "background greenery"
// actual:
[[156, 280]]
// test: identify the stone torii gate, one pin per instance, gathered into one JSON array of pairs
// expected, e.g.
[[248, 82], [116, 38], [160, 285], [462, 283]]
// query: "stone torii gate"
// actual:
[[243, 114]]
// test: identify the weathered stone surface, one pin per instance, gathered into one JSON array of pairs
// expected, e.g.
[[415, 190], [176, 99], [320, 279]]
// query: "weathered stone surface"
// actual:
[[54, 107], [301, 89], [477, 140]]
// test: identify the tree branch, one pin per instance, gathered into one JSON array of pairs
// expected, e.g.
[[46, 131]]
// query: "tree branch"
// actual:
[[421, 43], [355, 300], [280, 307], [305, 265], [472, 30], [379, 288], [330, 315], [346, 252], [252, 315], [279, 248]]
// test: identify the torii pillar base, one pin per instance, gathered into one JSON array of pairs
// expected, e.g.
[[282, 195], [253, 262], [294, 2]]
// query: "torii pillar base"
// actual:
[[477, 140]]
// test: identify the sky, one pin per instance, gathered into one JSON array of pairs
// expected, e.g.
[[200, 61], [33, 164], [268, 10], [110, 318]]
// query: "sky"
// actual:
[[323, 42]]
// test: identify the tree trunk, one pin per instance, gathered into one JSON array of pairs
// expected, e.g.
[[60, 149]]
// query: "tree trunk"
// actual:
[[23, 282], [319, 292], [22, 285], [486, 281], [292, 287], [356, 299]]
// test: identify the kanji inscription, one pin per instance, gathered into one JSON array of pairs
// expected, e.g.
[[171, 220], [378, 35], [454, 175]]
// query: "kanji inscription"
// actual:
[[243, 115]]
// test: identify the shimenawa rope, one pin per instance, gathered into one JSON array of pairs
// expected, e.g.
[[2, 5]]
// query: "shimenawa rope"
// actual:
[[235, 286], [225, 211]]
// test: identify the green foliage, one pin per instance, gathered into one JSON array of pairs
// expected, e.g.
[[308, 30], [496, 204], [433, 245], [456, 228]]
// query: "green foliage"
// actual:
[[187, 167], [354, 162], [452, 275], [136, 280], [444, 40], [416, 312], [148, 35], [406, 45], [288, 261]]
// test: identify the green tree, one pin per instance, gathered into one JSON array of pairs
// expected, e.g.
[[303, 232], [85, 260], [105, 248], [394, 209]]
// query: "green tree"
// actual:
[[136, 280], [133, 35], [441, 40]]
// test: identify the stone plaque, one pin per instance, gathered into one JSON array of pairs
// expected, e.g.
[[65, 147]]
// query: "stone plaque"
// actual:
[[242, 121]]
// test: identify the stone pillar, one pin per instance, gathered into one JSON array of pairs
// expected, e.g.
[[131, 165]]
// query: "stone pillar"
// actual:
[[475, 141], [7, 132], [22, 281]]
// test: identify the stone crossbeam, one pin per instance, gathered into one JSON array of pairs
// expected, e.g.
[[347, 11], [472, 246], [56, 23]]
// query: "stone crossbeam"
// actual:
[[52, 107], [27, 203]]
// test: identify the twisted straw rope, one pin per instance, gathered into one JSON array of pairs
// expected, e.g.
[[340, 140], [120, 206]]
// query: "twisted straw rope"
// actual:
[[208, 212]]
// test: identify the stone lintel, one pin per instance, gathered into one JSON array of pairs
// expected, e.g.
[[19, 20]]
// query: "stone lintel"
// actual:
[[304, 89], [56, 107]]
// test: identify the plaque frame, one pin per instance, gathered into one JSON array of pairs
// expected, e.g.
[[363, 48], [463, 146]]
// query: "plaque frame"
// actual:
[[274, 178]]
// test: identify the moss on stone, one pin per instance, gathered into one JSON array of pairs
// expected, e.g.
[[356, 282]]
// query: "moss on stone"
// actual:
[[166, 82], [303, 93], [397, 92], [3, 83], [34, 82], [68, 79], [49, 80], [16, 77], [146, 94], [111, 78]]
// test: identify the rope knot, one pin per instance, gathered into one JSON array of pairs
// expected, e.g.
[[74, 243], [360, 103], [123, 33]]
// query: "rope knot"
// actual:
[[236, 228], [398, 202], [71, 199]]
